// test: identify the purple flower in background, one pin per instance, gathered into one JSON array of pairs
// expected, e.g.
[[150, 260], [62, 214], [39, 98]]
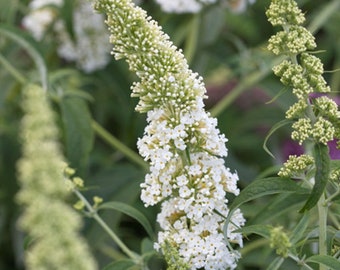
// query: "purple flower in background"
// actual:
[[334, 152], [291, 147]]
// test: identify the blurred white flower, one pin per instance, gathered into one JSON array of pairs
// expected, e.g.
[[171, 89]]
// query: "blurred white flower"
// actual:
[[180, 6], [89, 48], [41, 16], [194, 6]]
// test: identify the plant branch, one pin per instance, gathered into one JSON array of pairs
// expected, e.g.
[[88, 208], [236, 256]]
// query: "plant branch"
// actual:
[[322, 209], [115, 143], [12, 70], [93, 213]]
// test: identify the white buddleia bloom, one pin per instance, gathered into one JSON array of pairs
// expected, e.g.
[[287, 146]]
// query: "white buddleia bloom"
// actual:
[[88, 47], [185, 149], [41, 16], [195, 6], [183, 6]]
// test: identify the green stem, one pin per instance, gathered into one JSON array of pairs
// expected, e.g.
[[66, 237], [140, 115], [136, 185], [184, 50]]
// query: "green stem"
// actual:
[[322, 209], [191, 41], [12, 70], [300, 262], [101, 222], [249, 81], [324, 15], [115, 143]]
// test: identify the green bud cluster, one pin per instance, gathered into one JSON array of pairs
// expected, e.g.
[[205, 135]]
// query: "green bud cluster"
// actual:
[[50, 222], [317, 119], [296, 166], [335, 175], [165, 77], [172, 257], [280, 241]]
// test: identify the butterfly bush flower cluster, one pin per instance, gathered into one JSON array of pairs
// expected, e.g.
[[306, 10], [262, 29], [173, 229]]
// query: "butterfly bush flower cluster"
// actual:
[[88, 47], [51, 224], [195, 6], [316, 119], [182, 143]]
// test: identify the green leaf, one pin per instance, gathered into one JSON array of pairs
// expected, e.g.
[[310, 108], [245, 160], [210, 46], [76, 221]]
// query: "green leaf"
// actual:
[[147, 250], [276, 263], [120, 265], [78, 131], [28, 44], [326, 260], [146, 245], [278, 206], [266, 186], [300, 229], [322, 165], [263, 230], [132, 212], [272, 130], [67, 16]]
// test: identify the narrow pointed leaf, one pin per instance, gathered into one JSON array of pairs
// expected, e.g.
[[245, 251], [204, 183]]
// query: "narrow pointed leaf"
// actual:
[[263, 230], [267, 186], [328, 261], [78, 131], [272, 130], [132, 212], [278, 206], [299, 230], [322, 164], [19, 37], [276, 263], [119, 265]]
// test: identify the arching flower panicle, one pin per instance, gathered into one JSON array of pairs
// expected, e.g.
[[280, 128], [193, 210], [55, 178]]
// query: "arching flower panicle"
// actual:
[[182, 143]]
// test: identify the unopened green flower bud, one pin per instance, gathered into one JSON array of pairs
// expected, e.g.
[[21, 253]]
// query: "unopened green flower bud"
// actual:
[[323, 130], [280, 241], [47, 218], [297, 110], [296, 166], [79, 205], [78, 182], [296, 41], [335, 175], [69, 171], [311, 64], [284, 12], [97, 201], [326, 107], [302, 130], [172, 257]]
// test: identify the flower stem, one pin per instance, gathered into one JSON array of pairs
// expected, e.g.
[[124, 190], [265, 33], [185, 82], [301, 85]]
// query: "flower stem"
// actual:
[[12, 70], [322, 209], [115, 143], [93, 213], [249, 81]]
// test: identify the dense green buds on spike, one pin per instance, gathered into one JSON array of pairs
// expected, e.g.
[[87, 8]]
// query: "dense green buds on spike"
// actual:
[[49, 221], [296, 166], [280, 241]]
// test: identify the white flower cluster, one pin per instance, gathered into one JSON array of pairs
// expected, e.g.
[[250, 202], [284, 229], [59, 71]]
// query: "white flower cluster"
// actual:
[[41, 16], [88, 48], [182, 6], [194, 6], [185, 149]]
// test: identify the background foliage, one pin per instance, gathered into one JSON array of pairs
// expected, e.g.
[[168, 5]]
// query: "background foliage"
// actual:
[[228, 50]]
